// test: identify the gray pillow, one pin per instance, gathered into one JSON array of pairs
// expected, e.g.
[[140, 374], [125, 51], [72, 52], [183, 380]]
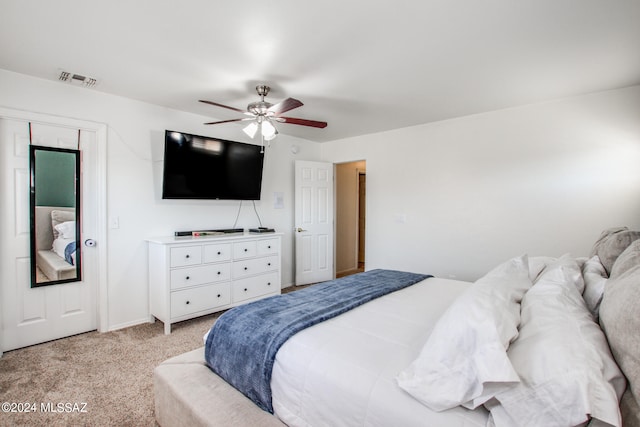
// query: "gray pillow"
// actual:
[[630, 410], [626, 260], [604, 236], [612, 243], [620, 321]]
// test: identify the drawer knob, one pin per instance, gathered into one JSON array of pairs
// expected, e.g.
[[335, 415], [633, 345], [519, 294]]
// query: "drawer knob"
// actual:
[[246, 250], [187, 256], [246, 268], [188, 302], [219, 273], [269, 247], [219, 253], [187, 278], [268, 283], [245, 289], [269, 264], [219, 295]]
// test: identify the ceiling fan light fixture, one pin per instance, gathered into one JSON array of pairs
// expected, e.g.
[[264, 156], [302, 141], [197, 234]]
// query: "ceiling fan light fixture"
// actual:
[[271, 137], [268, 130], [251, 129]]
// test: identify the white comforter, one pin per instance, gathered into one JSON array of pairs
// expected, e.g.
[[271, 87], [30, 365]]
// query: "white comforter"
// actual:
[[342, 372]]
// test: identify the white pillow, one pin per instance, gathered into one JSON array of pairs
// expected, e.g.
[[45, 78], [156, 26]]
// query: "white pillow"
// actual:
[[595, 278], [59, 216], [564, 270], [464, 361], [67, 229], [59, 246], [562, 357], [537, 264]]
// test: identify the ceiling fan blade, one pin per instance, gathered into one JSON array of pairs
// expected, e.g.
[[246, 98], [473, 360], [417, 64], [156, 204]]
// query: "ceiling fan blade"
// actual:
[[222, 105], [284, 106], [226, 121], [303, 122]]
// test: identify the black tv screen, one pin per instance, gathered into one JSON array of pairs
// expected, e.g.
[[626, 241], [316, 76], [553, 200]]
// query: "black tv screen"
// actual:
[[200, 167]]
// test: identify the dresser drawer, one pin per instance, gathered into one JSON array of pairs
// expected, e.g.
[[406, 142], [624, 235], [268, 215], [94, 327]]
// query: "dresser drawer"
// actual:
[[201, 298], [268, 246], [254, 266], [185, 255], [192, 276], [216, 253], [252, 287], [244, 249]]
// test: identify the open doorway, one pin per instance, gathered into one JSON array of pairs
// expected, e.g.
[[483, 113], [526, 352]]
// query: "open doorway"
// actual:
[[350, 217]]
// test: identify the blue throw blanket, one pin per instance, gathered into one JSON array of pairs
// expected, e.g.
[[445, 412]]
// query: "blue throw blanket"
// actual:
[[242, 344], [68, 252]]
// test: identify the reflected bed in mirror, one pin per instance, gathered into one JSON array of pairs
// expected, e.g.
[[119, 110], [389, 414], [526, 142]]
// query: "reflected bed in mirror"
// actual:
[[55, 215]]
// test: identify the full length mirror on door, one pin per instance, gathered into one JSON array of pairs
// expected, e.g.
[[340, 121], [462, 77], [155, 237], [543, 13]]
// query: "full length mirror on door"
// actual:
[[55, 215]]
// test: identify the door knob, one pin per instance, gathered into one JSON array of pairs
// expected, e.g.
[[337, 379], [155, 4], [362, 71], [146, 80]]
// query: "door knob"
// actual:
[[90, 242], [300, 230]]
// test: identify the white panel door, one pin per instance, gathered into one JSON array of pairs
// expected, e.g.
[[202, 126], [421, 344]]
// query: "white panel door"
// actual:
[[314, 222], [34, 315]]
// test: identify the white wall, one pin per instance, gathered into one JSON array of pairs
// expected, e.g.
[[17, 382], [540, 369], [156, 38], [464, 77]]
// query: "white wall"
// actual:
[[457, 197], [134, 165], [474, 191]]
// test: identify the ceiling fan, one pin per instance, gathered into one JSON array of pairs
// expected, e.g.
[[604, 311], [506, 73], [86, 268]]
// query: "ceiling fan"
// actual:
[[262, 114]]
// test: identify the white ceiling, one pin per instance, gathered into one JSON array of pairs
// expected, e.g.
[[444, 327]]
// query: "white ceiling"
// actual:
[[362, 66]]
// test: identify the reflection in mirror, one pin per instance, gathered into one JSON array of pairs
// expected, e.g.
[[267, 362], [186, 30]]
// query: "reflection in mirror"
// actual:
[[55, 215]]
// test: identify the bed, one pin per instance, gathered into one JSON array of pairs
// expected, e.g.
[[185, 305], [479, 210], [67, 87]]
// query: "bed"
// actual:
[[536, 341], [55, 242]]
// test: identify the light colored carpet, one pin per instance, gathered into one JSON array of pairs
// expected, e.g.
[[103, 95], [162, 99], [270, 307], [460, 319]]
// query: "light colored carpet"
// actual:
[[111, 373], [94, 379]]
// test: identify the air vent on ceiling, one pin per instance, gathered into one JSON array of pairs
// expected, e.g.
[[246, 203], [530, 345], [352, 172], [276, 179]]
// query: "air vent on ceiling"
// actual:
[[78, 79]]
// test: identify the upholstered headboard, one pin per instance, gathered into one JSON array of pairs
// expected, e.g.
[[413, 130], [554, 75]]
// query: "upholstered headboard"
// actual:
[[619, 314], [44, 221]]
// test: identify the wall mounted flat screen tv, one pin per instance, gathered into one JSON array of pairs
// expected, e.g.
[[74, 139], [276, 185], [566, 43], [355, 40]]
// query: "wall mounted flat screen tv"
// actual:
[[200, 167]]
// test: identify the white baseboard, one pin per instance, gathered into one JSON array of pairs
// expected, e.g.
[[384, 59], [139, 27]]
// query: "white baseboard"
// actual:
[[128, 324]]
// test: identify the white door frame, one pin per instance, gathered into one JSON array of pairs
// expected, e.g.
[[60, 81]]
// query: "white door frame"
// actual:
[[359, 249], [100, 130]]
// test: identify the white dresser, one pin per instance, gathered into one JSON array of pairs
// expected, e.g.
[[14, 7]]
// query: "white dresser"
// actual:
[[194, 276]]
